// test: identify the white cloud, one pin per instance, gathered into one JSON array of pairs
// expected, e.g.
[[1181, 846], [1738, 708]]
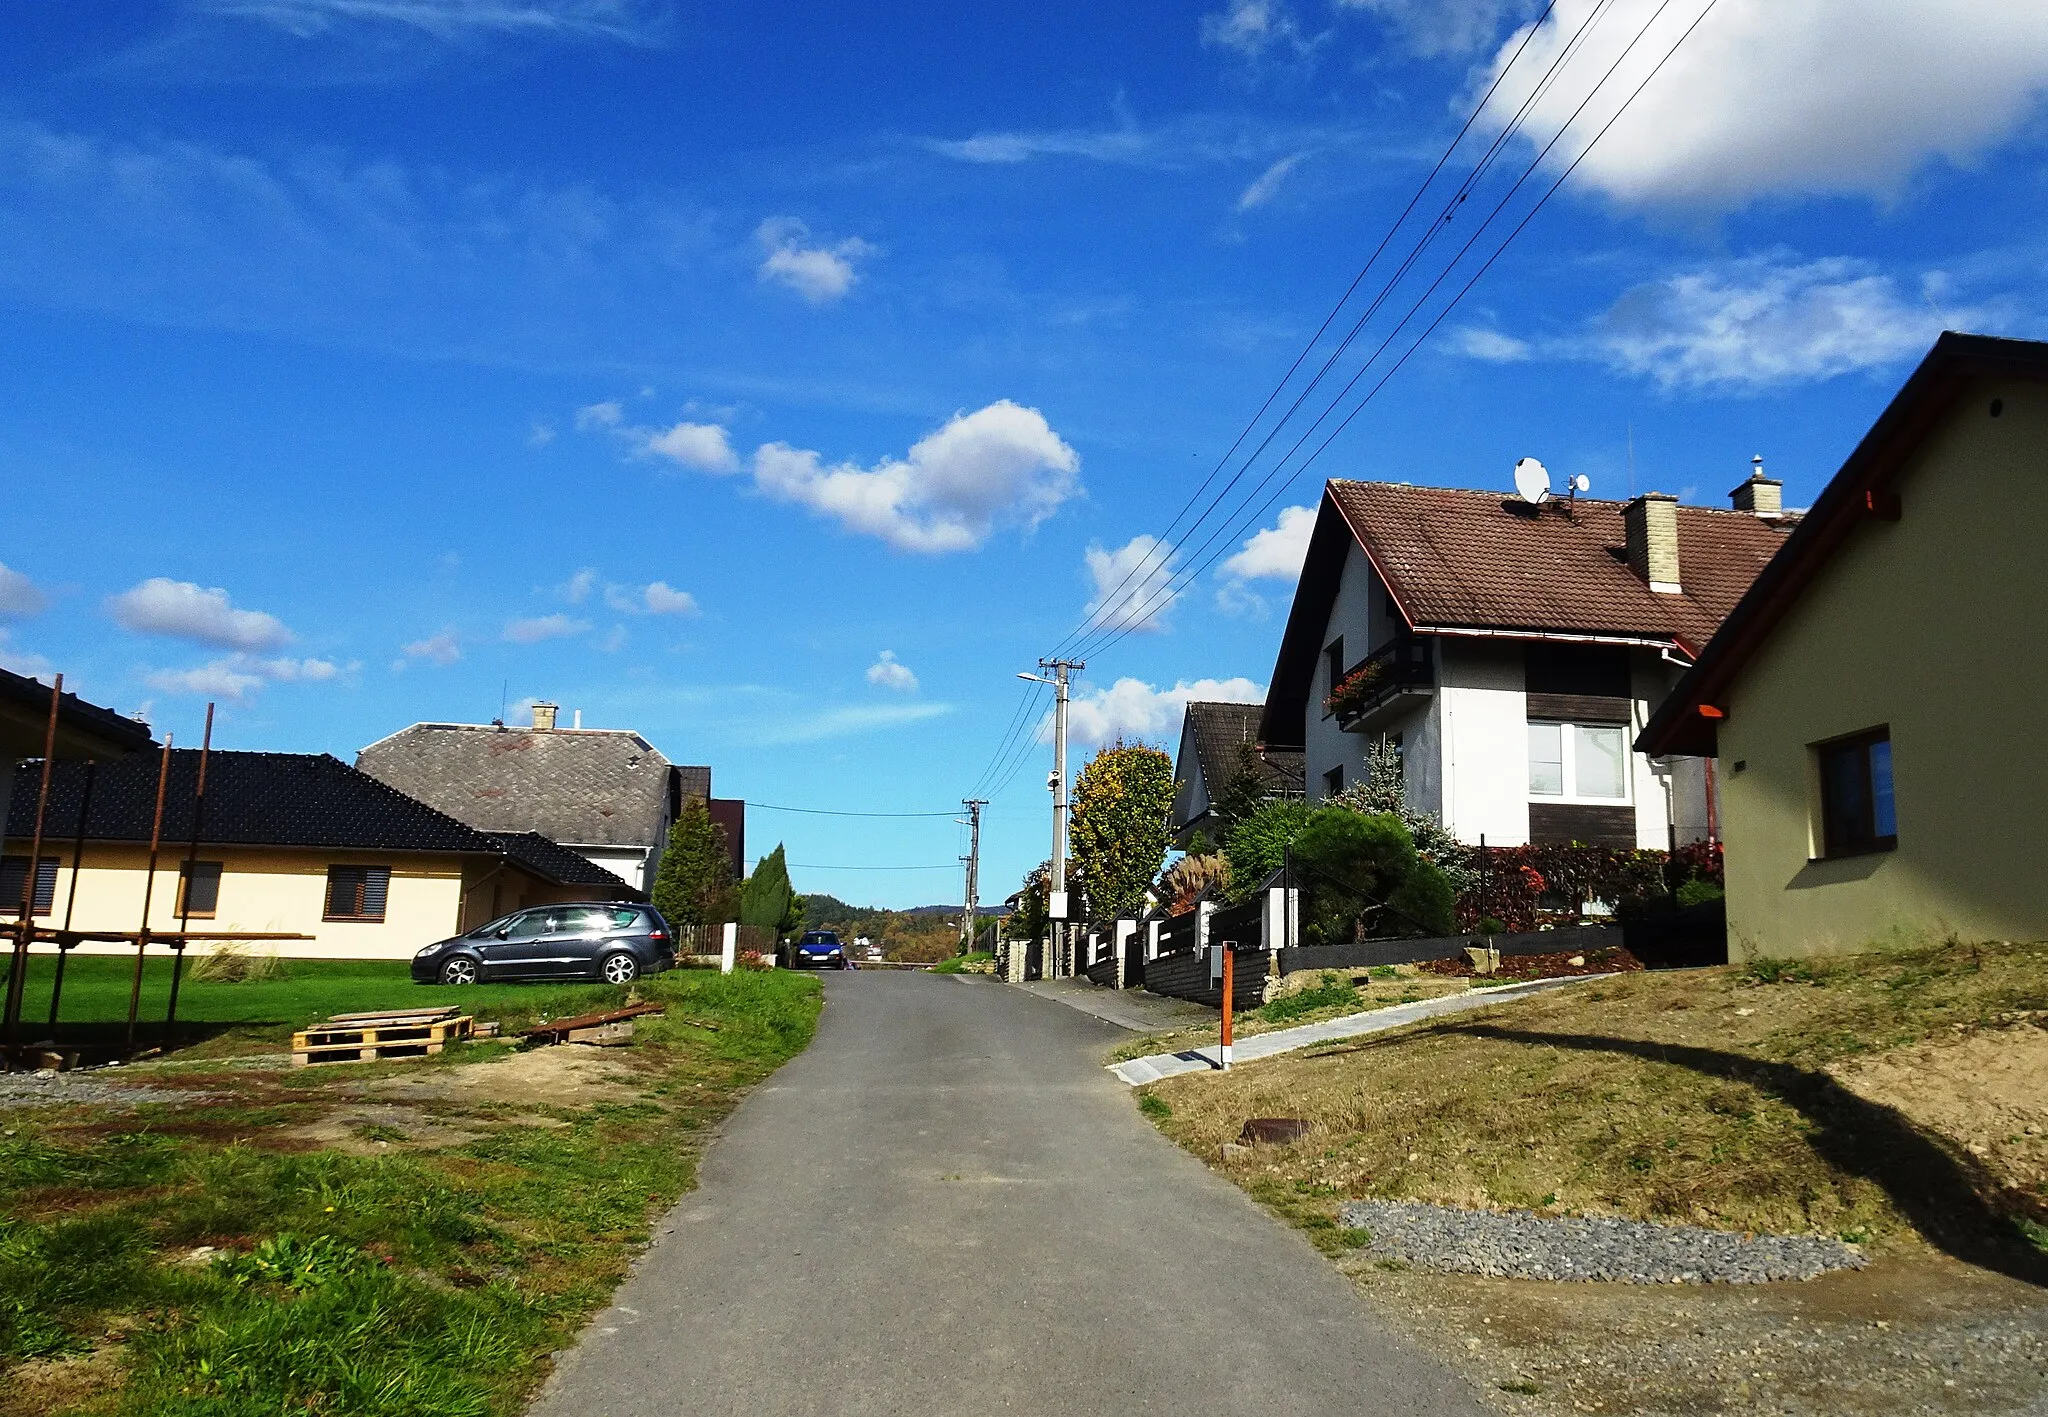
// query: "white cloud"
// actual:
[[1275, 552], [820, 274], [23, 661], [1255, 28], [578, 587], [1132, 584], [19, 598], [1765, 321], [614, 640], [891, 673], [1823, 96], [999, 464], [239, 676], [843, 722], [1133, 710], [1491, 346], [1267, 183], [540, 434], [439, 650], [182, 610], [1435, 27], [543, 627], [608, 414], [661, 598], [702, 447], [624, 21]]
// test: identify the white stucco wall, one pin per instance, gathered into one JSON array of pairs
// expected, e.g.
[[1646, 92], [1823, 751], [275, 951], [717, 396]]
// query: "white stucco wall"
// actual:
[[629, 863], [1351, 615], [1485, 718]]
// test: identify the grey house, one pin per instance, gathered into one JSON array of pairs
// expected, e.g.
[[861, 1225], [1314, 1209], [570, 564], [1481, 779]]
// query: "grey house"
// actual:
[[1217, 742], [605, 793]]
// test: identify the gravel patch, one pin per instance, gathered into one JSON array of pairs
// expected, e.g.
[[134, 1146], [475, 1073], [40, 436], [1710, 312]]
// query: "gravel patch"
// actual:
[[51, 1089], [1515, 1245]]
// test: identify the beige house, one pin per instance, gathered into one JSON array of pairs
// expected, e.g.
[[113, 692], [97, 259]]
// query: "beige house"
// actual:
[[289, 843], [1876, 702]]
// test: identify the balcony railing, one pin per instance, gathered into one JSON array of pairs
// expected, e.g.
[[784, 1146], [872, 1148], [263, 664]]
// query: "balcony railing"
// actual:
[[1384, 684]]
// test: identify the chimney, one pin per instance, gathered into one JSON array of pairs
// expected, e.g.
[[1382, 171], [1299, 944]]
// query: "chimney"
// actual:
[[1651, 522], [544, 714], [1760, 496]]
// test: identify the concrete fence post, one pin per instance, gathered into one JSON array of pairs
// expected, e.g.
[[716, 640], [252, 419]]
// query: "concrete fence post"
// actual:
[[1125, 929], [729, 954], [1152, 929]]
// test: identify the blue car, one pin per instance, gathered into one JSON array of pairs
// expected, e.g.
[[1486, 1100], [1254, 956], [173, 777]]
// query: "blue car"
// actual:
[[818, 949]]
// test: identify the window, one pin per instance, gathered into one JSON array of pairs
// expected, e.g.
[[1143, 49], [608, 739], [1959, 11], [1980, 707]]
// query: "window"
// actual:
[[14, 876], [198, 889], [1579, 762], [1856, 810], [1333, 781], [532, 925], [1333, 664], [357, 892]]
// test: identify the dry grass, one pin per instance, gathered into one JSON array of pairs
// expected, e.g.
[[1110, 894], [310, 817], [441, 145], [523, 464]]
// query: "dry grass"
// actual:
[[1706, 1096]]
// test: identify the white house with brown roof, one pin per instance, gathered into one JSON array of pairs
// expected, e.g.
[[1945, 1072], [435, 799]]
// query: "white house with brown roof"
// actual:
[[1512, 651]]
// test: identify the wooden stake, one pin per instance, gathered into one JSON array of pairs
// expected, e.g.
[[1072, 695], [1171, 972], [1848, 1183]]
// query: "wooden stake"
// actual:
[[156, 841], [1229, 990]]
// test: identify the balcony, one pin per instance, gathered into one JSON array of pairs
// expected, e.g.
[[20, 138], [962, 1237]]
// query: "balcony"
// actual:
[[1384, 686]]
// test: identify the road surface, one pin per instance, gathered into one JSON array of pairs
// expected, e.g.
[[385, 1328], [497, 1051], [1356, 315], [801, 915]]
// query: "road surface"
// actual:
[[948, 1206]]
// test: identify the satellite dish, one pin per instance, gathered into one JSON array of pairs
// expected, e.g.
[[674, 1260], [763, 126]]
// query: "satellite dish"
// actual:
[[1532, 481], [1582, 483]]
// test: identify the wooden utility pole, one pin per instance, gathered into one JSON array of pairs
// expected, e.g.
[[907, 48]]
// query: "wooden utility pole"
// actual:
[[1056, 886]]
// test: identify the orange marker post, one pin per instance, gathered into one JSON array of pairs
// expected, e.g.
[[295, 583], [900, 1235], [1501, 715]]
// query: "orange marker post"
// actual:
[[1229, 979]]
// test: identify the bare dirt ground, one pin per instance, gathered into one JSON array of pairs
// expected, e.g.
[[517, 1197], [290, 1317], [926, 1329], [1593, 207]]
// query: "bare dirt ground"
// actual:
[[567, 1075], [1915, 1333]]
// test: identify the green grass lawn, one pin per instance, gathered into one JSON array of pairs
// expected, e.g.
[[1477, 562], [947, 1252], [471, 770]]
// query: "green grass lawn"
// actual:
[[421, 1263], [260, 1015]]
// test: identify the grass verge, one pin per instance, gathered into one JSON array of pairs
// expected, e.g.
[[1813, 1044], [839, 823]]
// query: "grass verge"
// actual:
[[977, 963], [207, 1256], [1744, 1098]]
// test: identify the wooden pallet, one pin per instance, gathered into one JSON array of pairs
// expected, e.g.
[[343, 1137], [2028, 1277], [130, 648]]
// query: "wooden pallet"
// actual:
[[367, 1039]]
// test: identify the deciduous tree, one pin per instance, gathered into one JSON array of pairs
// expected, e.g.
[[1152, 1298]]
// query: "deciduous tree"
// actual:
[[1119, 834]]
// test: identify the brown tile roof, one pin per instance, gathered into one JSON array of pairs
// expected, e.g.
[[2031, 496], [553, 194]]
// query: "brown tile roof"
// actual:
[[1457, 559], [1478, 560]]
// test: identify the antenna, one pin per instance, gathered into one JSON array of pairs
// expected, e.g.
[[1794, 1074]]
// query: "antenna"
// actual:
[[1532, 481]]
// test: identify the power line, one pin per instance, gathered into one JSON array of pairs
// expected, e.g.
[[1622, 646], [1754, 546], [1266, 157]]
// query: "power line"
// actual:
[[829, 812], [1190, 573]]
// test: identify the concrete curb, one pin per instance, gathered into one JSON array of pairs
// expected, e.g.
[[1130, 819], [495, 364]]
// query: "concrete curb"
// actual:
[[1139, 1071]]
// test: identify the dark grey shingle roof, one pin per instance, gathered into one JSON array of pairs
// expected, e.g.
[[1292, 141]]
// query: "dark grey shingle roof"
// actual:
[[586, 787], [544, 856], [268, 799], [1220, 730]]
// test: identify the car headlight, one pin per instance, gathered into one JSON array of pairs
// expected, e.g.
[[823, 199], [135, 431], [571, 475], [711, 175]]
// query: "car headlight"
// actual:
[[424, 950]]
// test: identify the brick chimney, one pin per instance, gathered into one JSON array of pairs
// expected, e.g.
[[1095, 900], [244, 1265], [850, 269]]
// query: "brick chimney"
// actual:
[[1651, 523], [1759, 496], [544, 717]]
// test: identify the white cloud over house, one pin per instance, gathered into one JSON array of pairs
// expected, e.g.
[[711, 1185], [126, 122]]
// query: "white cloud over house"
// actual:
[[1133, 710], [1275, 552], [19, 597], [543, 627], [700, 447], [819, 273], [238, 677], [1133, 584], [1765, 98], [439, 650], [889, 672], [183, 610], [999, 465]]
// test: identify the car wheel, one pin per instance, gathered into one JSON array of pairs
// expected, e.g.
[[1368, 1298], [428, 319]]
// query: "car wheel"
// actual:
[[619, 969], [459, 970]]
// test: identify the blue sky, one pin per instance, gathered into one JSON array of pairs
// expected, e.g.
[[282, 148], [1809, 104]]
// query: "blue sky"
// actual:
[[780, 381]]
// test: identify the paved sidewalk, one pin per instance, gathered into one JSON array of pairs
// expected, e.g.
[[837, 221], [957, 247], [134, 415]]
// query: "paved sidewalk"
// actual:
[[1133, 1009], [1139, 1071]]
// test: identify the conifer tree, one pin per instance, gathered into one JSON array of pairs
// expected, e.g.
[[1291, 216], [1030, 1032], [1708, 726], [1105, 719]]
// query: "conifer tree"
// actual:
[[766, 898], [693, 886]]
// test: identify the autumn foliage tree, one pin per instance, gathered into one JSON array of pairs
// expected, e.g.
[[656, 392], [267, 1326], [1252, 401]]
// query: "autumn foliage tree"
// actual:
[[1119, 834]]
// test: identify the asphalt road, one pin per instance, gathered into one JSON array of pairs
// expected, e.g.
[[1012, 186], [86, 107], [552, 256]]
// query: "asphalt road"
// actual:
[[948, 1206]]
